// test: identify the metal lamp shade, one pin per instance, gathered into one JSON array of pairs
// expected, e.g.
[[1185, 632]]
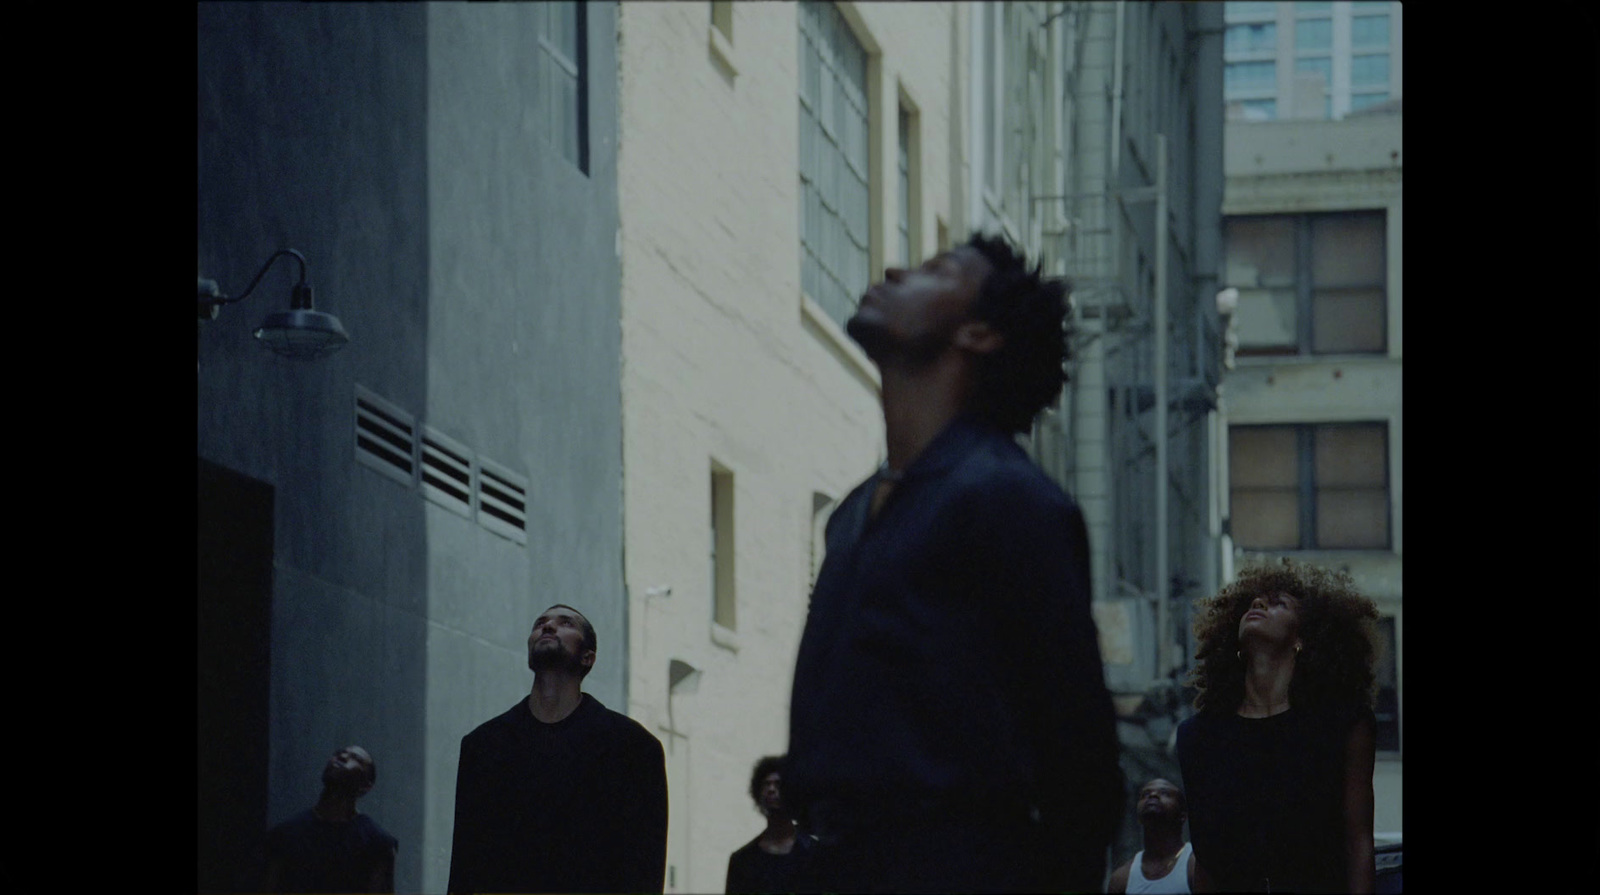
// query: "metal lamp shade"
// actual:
[[302, 334]]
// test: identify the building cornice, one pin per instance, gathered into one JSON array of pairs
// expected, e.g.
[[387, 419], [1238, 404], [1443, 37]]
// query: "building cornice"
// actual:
[[1311, 191]]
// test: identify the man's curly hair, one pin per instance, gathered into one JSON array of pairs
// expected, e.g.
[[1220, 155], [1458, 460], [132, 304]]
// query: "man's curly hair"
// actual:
[[769, 764], [1337, 629], [1026, 373]]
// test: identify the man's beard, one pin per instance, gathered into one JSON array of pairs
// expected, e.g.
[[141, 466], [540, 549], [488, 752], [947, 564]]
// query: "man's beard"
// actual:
[[872, 339], [335, 781], [880, 346], [557, 659]]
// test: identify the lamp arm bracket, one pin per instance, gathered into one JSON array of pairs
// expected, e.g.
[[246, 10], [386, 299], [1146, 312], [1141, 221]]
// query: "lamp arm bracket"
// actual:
[[223, 299]]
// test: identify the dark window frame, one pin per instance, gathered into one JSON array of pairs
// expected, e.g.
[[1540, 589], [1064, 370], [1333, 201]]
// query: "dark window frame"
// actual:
[[1306, 493], [1304, 288], [577, 68]]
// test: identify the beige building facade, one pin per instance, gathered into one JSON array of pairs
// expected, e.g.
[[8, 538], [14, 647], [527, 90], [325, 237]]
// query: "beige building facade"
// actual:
[[764, 149], [1313, 432]]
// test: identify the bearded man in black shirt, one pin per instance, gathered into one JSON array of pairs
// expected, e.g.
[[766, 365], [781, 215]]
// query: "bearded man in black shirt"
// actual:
[[950, 728], [560, 793]]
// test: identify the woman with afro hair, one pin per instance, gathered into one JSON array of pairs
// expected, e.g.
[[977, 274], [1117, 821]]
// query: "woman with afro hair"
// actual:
[[1277, 761]]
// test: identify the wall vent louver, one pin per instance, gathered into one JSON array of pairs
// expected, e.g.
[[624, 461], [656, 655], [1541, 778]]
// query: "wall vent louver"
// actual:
[[446, 472], [385, 437], [502, 501]]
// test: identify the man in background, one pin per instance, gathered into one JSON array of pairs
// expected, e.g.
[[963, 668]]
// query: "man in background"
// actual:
[[332, 847], [1166, 863], [774, 861]]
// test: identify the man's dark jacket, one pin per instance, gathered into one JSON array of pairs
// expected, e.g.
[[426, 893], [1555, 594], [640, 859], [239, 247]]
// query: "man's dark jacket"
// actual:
[[950, 664], [575, 806]]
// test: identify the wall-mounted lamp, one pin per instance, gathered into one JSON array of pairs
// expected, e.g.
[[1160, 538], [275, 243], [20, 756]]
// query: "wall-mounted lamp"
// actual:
[[300, 332]]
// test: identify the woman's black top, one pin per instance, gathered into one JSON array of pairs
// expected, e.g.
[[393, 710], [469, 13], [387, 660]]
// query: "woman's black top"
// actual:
[[1266, 797]]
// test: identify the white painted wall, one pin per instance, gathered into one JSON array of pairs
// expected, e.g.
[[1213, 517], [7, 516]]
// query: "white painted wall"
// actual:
[[722, 362]]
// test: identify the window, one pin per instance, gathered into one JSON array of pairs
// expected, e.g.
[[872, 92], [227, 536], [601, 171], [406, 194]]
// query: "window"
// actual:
[[834, 238], [1252, 37], [1313, 34], [821, 509], [993, 95], [1246, 75], [1369, 70], [722, 593], [1363, 100], [563, 85], [1309, 487], [722, 17], [1322, 65], [910, 206], [1250, 10], [1309, 284], [1369, 31]]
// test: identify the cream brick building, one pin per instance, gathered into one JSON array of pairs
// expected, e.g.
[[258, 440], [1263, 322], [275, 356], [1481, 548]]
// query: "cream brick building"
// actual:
[[746, 411]]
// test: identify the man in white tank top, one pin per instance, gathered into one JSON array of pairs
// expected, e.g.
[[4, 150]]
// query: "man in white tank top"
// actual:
[[1165, 864]]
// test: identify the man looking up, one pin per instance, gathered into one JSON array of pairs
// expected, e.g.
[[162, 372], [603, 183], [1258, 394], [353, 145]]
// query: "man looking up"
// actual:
[[560, 793], [1166, 863], [950, 729], [332, 847]]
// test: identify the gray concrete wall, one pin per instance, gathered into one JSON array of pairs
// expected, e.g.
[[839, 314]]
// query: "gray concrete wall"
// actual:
[[397, 147], [308, 123], [523, 366]]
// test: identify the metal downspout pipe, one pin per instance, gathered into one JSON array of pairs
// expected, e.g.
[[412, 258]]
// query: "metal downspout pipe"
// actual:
[[1159, 321]]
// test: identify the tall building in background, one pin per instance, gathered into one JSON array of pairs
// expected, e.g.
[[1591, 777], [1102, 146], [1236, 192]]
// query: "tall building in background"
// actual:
[[379, 528], [1313, 438], [1320, 61], [775, 158]]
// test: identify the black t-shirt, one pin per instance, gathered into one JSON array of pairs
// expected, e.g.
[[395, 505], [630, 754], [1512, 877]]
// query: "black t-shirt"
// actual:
[[316, 855], [751, 870], [1266, 798], [575, 806]]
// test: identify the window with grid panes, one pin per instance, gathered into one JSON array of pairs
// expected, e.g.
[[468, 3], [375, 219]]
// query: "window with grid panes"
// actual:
[[1308, 284], [1252, 9], [1369, 69], [1313, 34], [1246, 75], [1309, 486], [1369, 31], [1251, 37], [994, 101], [562, 82], [723, 605], [834, 235]]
